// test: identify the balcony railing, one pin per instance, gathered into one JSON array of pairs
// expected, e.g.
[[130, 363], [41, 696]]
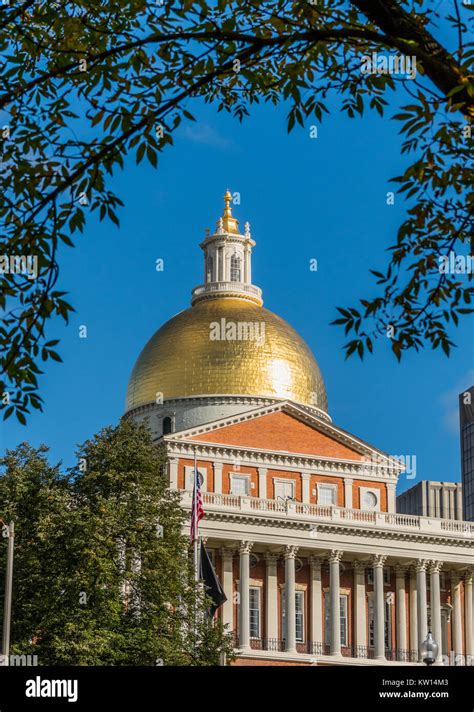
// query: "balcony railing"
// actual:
[[213, 287], [350, 651], [316, 512]]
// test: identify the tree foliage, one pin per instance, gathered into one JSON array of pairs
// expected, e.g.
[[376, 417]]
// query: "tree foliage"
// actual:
[[96, 579], [86, 83]]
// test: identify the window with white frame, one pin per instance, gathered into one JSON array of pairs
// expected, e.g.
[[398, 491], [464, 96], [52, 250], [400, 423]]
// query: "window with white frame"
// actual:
[[387, 623], [299, 615], [254, 611], [369, 499], [235, 268], [327, 494], [189, 477], [284, 489], [239, 484], [343, 613]]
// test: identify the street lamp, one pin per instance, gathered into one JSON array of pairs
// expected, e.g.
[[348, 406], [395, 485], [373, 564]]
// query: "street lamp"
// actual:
[[8, 531], [429, 649]]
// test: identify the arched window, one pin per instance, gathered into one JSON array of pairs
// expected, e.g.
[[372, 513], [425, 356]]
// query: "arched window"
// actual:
[[235, 269], [167, 425], [210, 269]]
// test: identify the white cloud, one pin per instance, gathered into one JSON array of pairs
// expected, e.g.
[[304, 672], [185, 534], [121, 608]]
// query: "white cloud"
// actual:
[[204, 133]]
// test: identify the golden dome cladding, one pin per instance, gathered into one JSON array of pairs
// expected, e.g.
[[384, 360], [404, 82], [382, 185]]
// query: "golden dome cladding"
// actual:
[[181, 360]]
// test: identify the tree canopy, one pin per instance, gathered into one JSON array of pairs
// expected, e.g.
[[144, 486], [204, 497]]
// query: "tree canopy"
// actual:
[[102, 572], [85, 83]]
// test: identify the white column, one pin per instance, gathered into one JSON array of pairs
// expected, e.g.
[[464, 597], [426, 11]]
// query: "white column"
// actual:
[[305, 483], [391, 497], [244, 631], [379, 607], [431, 502], [445, 495], [262, 482], [435, 604], [334, 586], [413, 612], [401, 611], [348, 492], [468, 614], [271, 587], [316, 604], [290, 602], [246, 265], [360, 612], [174, 473], [228, 586], [456, 618], [218, 477], [422, 607], [459, 514]]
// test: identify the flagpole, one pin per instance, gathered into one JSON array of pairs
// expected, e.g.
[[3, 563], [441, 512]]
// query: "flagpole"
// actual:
[[196, 522]]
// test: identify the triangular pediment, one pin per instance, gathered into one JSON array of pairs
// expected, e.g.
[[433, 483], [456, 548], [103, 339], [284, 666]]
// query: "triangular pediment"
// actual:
[[284, 427]]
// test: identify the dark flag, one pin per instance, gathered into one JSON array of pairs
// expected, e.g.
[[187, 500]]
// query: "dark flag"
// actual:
[[213, 586]]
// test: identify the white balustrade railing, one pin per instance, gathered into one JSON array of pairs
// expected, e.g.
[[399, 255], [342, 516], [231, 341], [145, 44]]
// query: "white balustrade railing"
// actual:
[[302, 510]]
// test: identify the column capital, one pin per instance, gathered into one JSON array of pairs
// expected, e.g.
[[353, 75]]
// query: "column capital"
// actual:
[[315, 562], [391, 485], [245, 547], [455, 577], [217, 466], [290, 552], [335, 556], [227, 553], [401, 570], [468, 576], [378, 561], [420, 566], [271, 558], [359, 566], [434, 567], [305, 476], [262, 470]]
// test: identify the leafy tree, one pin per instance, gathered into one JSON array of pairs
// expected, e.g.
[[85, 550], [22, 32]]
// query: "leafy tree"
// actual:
[[86, 83], [103, 574]]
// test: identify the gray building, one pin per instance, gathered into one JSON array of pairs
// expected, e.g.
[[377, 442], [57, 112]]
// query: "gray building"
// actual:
[[432, 499], [466, 426]]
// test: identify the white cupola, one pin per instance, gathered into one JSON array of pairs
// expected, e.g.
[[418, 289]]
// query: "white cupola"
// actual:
[[228, 261]]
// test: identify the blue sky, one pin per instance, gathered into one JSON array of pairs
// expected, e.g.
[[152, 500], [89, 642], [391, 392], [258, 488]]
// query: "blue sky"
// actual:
[[305, 198]]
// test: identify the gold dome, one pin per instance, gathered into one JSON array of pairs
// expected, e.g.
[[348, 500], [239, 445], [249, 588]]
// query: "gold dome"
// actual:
[[183, 359]]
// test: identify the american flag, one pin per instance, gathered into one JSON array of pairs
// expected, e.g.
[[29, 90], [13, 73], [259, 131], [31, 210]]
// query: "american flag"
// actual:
[[197, 510]]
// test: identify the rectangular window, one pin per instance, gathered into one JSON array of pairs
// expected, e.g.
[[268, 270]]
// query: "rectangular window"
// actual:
[[254, 600], [326, 494], [387, 624], [284, 490], [299, 615], [343, 614], [239, 484]]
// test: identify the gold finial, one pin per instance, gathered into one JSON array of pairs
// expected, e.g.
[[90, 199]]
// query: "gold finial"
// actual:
[[229, 223]]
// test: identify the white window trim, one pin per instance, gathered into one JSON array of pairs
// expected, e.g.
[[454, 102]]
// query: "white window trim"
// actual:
[[240, 476], [189, 477], [326, 485], [285, 480], [369, 490], [259, 591], [298, 590]]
